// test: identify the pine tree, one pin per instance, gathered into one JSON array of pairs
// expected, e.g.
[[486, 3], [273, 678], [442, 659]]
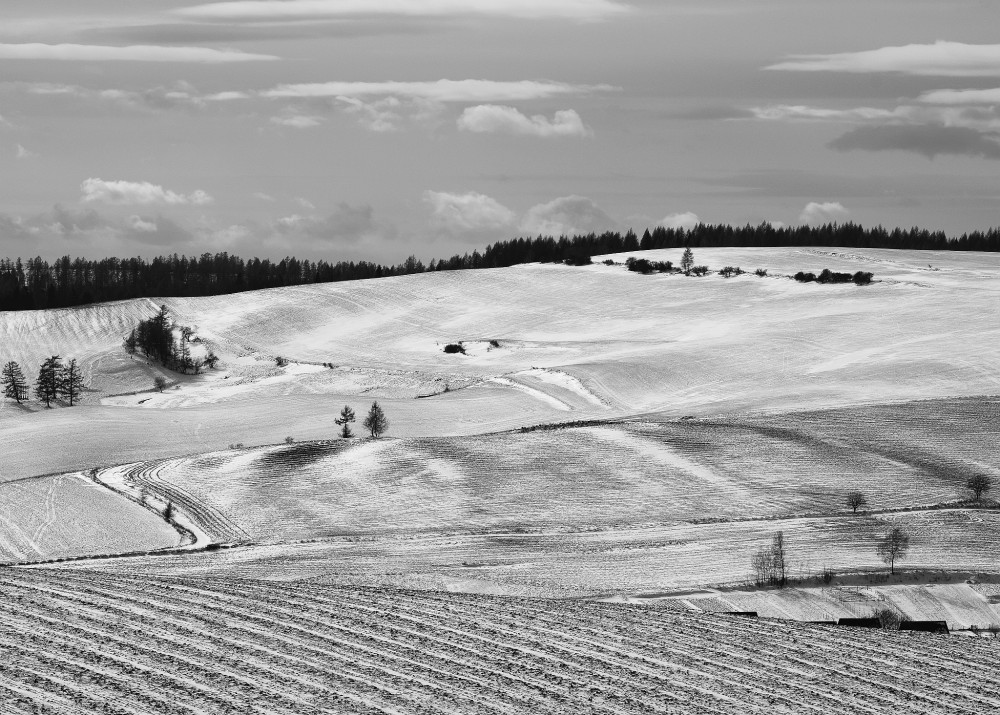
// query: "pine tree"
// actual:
[[14, 384], [376, 422], [71, 382], [346, 417], [130, 342], [47, 384], [687, 261]]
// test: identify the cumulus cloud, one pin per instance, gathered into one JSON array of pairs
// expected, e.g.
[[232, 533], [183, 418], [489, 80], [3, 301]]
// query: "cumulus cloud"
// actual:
[[468, 212], [297, 121], [442, 90], [131, 53], [137, 192], [927, 140], [816, 213], [493, 118], [567, 216], [954, 59], [260, 10], [21, 153], [687, 220]]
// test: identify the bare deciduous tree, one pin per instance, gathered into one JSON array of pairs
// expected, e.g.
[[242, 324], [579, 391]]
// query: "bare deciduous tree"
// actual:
[[893, 547], [160, 382], [979, 484], [856, 500], [770, 563]]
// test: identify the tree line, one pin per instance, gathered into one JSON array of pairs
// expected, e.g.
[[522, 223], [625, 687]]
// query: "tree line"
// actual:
[[37, 284]]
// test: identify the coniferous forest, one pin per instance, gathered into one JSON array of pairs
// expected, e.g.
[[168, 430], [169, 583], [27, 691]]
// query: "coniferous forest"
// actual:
[[37, 284]]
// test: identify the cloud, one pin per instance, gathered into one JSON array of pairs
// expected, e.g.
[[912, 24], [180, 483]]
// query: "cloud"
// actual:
[[567, 216], [442, 90], [261, 196], [137, 192], [137, 223], [927, 140], [493, 118], [687, 220], [347, 223], [131, 53], [821, 213], [298, 121], [305, 203], [791, 112], [22, 153], [954, 59], [961, 96], [262, 10], [468, 212]]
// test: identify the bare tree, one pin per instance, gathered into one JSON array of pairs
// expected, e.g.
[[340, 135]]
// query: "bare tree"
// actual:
[[893, 547], [345, 419], [979, 484], [856, 500], [770, 563], [159, 382], [376, 422]]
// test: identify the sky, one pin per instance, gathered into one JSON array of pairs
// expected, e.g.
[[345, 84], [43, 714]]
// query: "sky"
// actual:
[[377, 129]]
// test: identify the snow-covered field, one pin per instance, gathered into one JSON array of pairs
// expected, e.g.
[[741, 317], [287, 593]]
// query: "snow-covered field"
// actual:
[[701, 415], [92, 642]]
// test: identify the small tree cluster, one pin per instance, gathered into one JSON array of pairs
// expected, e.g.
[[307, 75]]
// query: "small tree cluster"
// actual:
[[761, 273], [770, 563], [453, 348], [700, 270], [730, 271], [645, 266], [827, 276], [155, 339], [55, 380]]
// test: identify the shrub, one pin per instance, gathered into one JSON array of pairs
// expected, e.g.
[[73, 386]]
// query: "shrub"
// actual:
[[828, 276], [289, 440], [889, 618], [452, 348], [608, 262], [280, 361], [863, 278], [578, 261], [700, 270], [760, 272], [805, 277], [729, 271], [494, 343]]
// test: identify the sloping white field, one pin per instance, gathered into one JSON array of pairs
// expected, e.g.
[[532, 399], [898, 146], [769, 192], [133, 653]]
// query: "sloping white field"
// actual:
[[599, 563], [603, 477], [637, 343], [70, 515]]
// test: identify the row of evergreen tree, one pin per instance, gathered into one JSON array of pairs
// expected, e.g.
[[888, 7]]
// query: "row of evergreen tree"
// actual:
[[38, 284], [55, 380]]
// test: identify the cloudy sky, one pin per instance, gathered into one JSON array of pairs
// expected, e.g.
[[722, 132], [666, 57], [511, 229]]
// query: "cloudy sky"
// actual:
[[349, 129]]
